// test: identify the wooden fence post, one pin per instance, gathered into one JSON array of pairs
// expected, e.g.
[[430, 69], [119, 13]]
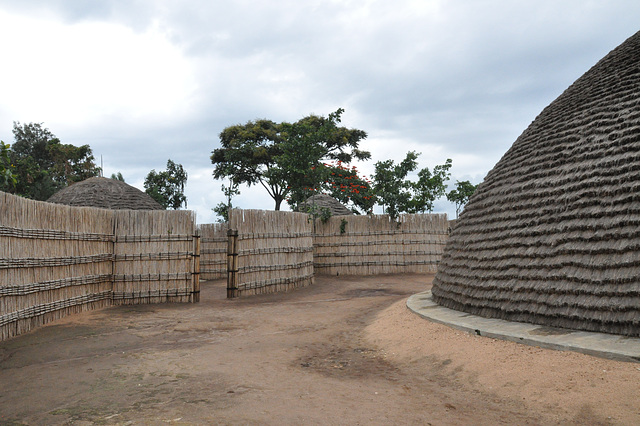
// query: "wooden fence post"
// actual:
[[114, 218], [196, 267], [232, 263]]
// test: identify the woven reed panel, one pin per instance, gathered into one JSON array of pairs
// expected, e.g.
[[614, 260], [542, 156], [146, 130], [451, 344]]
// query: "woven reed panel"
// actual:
[[373, 245], [274, 250], [55, 260], [153, 256], [213, 253], [551, 236]]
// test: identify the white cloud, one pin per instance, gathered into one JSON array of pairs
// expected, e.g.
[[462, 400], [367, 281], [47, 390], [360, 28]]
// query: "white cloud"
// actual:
[[91, 71]]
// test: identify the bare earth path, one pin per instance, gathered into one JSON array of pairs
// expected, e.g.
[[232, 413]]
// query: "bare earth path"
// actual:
[[344, 351]]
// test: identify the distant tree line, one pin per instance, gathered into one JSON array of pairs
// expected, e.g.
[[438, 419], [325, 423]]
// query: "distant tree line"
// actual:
[[41, 165], [294, 161], [291, 161], [37, 165]]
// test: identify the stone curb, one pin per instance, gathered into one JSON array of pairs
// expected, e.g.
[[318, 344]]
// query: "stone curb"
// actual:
[[610, 346]]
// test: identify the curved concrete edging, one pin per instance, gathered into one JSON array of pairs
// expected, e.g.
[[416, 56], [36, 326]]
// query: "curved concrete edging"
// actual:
[[602, 345]]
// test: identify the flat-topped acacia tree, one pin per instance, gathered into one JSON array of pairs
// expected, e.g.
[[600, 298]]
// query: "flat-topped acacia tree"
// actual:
[[285, 158]]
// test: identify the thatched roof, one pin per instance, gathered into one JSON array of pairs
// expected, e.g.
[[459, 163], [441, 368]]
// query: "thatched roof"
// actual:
[[552, 235], [105, 193], [327, 201]]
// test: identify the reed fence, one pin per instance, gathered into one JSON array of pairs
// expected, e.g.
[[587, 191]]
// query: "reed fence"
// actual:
[[268, 251], [154, 254], [271, 251], [213, 253], [373, 245], [56, 260]]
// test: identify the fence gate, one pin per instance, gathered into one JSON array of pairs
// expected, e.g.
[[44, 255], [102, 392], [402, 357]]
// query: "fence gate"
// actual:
[[156, 257], [213, 253], [268, 251]]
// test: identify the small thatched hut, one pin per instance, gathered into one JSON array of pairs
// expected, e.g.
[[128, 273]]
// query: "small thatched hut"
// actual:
[[325, 201], [105, 193], [552, 235]]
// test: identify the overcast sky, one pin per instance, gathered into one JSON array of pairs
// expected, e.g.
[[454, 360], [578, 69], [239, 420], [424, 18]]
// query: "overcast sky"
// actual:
[[142, 81]]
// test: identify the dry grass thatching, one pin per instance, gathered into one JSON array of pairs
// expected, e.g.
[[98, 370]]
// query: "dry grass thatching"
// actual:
[[325, 201], [105, 193], [552, 235]]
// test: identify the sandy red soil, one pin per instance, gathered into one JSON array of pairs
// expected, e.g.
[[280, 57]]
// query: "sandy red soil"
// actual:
[[343, 351]]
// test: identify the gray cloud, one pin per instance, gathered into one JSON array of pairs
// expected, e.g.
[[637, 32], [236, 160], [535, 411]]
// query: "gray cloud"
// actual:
[[464, 76]]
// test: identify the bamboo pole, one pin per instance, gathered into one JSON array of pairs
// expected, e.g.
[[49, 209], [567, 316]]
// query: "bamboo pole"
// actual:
[[196, 267], [232, 266]]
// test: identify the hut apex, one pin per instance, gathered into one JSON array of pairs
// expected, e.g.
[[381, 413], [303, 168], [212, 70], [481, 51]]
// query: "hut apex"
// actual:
[[552, 235], [105, 193], [325, 201]]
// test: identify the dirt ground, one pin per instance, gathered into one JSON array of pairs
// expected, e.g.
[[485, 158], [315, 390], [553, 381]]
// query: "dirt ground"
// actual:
[[343, 351]]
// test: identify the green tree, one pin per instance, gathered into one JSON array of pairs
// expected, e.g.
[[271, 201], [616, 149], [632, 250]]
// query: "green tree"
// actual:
[[7, 178], [391, 186], [248, 156], [167, 187], [429, 187], [398, 194], [461, 194], [117, 177], [309, 141], [222, 209], [285, 158], [43, 165]]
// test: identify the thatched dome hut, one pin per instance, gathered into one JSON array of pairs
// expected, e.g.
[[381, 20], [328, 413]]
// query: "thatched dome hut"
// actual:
[[325, 201], [552, 235], [105, 193]]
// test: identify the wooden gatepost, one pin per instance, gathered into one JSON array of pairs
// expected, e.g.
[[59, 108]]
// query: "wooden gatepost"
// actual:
[[232, 263], [268, 252]]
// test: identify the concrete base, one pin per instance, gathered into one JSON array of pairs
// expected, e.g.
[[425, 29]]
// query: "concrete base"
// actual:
[[608, 346]]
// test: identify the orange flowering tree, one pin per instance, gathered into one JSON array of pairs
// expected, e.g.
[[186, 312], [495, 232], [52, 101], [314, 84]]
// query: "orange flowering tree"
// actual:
[[306, 144], [342, 182], [347, 186]]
